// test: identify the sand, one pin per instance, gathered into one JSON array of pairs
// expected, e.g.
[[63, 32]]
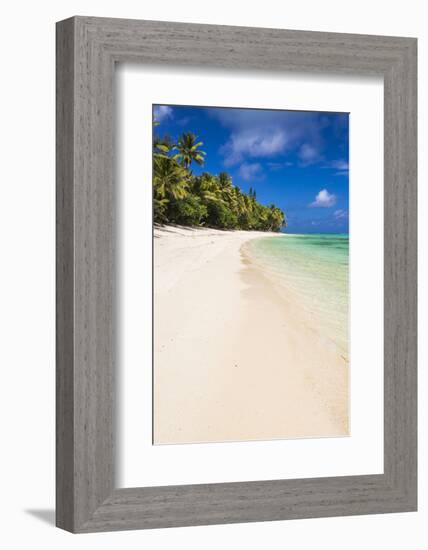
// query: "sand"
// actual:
[[235, 358]]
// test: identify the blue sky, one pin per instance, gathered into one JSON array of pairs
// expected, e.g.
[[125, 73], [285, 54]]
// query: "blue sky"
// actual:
[[297, 160]]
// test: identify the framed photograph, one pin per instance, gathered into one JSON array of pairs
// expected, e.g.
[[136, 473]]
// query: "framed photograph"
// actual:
[[236, 274], [249, 319]]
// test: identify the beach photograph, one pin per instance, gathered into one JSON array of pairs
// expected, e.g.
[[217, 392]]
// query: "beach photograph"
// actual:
[[250, 274]]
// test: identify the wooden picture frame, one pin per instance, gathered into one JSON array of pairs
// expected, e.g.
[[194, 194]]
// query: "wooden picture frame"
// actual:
[[87, 50]]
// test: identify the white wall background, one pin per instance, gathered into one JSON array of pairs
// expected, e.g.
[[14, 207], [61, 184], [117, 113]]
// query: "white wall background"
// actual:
[[27, 272]]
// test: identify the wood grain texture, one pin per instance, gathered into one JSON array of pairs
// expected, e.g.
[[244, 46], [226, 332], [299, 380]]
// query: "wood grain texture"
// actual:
[[64, 276], [87, 49]]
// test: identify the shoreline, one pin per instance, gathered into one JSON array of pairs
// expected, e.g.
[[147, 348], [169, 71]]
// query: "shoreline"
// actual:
[[297, 295], [234, 358]]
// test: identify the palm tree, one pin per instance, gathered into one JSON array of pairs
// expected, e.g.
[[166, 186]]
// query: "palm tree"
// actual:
[[208, 188], [162, 145], [188, 150], [277, 218], [170, 179], [224, 180], [181, 197], [227, 189]]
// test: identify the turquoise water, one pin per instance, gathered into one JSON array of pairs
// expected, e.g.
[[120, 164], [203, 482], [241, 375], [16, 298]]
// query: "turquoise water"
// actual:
[[315, 268]]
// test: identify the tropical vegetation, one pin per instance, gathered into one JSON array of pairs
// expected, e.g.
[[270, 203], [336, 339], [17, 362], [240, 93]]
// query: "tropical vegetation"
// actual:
[[181, 197]]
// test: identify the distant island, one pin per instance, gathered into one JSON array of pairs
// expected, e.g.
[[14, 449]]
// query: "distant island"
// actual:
[[208, 200]]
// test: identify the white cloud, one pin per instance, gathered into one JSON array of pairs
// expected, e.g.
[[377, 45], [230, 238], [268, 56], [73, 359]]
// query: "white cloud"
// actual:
[[324, 199], [278, 165], [309, 154], [340, 214], [258, 133], [162, 112], [253, 143], [275, 165], [340, 165], [249, 171]]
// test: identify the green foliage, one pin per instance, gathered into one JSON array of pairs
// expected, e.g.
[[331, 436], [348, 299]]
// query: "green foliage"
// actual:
[[170, 180], [188, 150], [183, 198], [188, 211], [219, 215]]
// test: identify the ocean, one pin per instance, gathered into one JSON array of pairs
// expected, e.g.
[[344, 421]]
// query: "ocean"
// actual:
[[315, 268]]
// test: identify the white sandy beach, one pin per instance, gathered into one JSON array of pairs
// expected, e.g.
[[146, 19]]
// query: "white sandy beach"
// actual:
[[235, 357]]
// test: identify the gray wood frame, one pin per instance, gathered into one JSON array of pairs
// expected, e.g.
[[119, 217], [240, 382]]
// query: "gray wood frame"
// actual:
[[87, 50]]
